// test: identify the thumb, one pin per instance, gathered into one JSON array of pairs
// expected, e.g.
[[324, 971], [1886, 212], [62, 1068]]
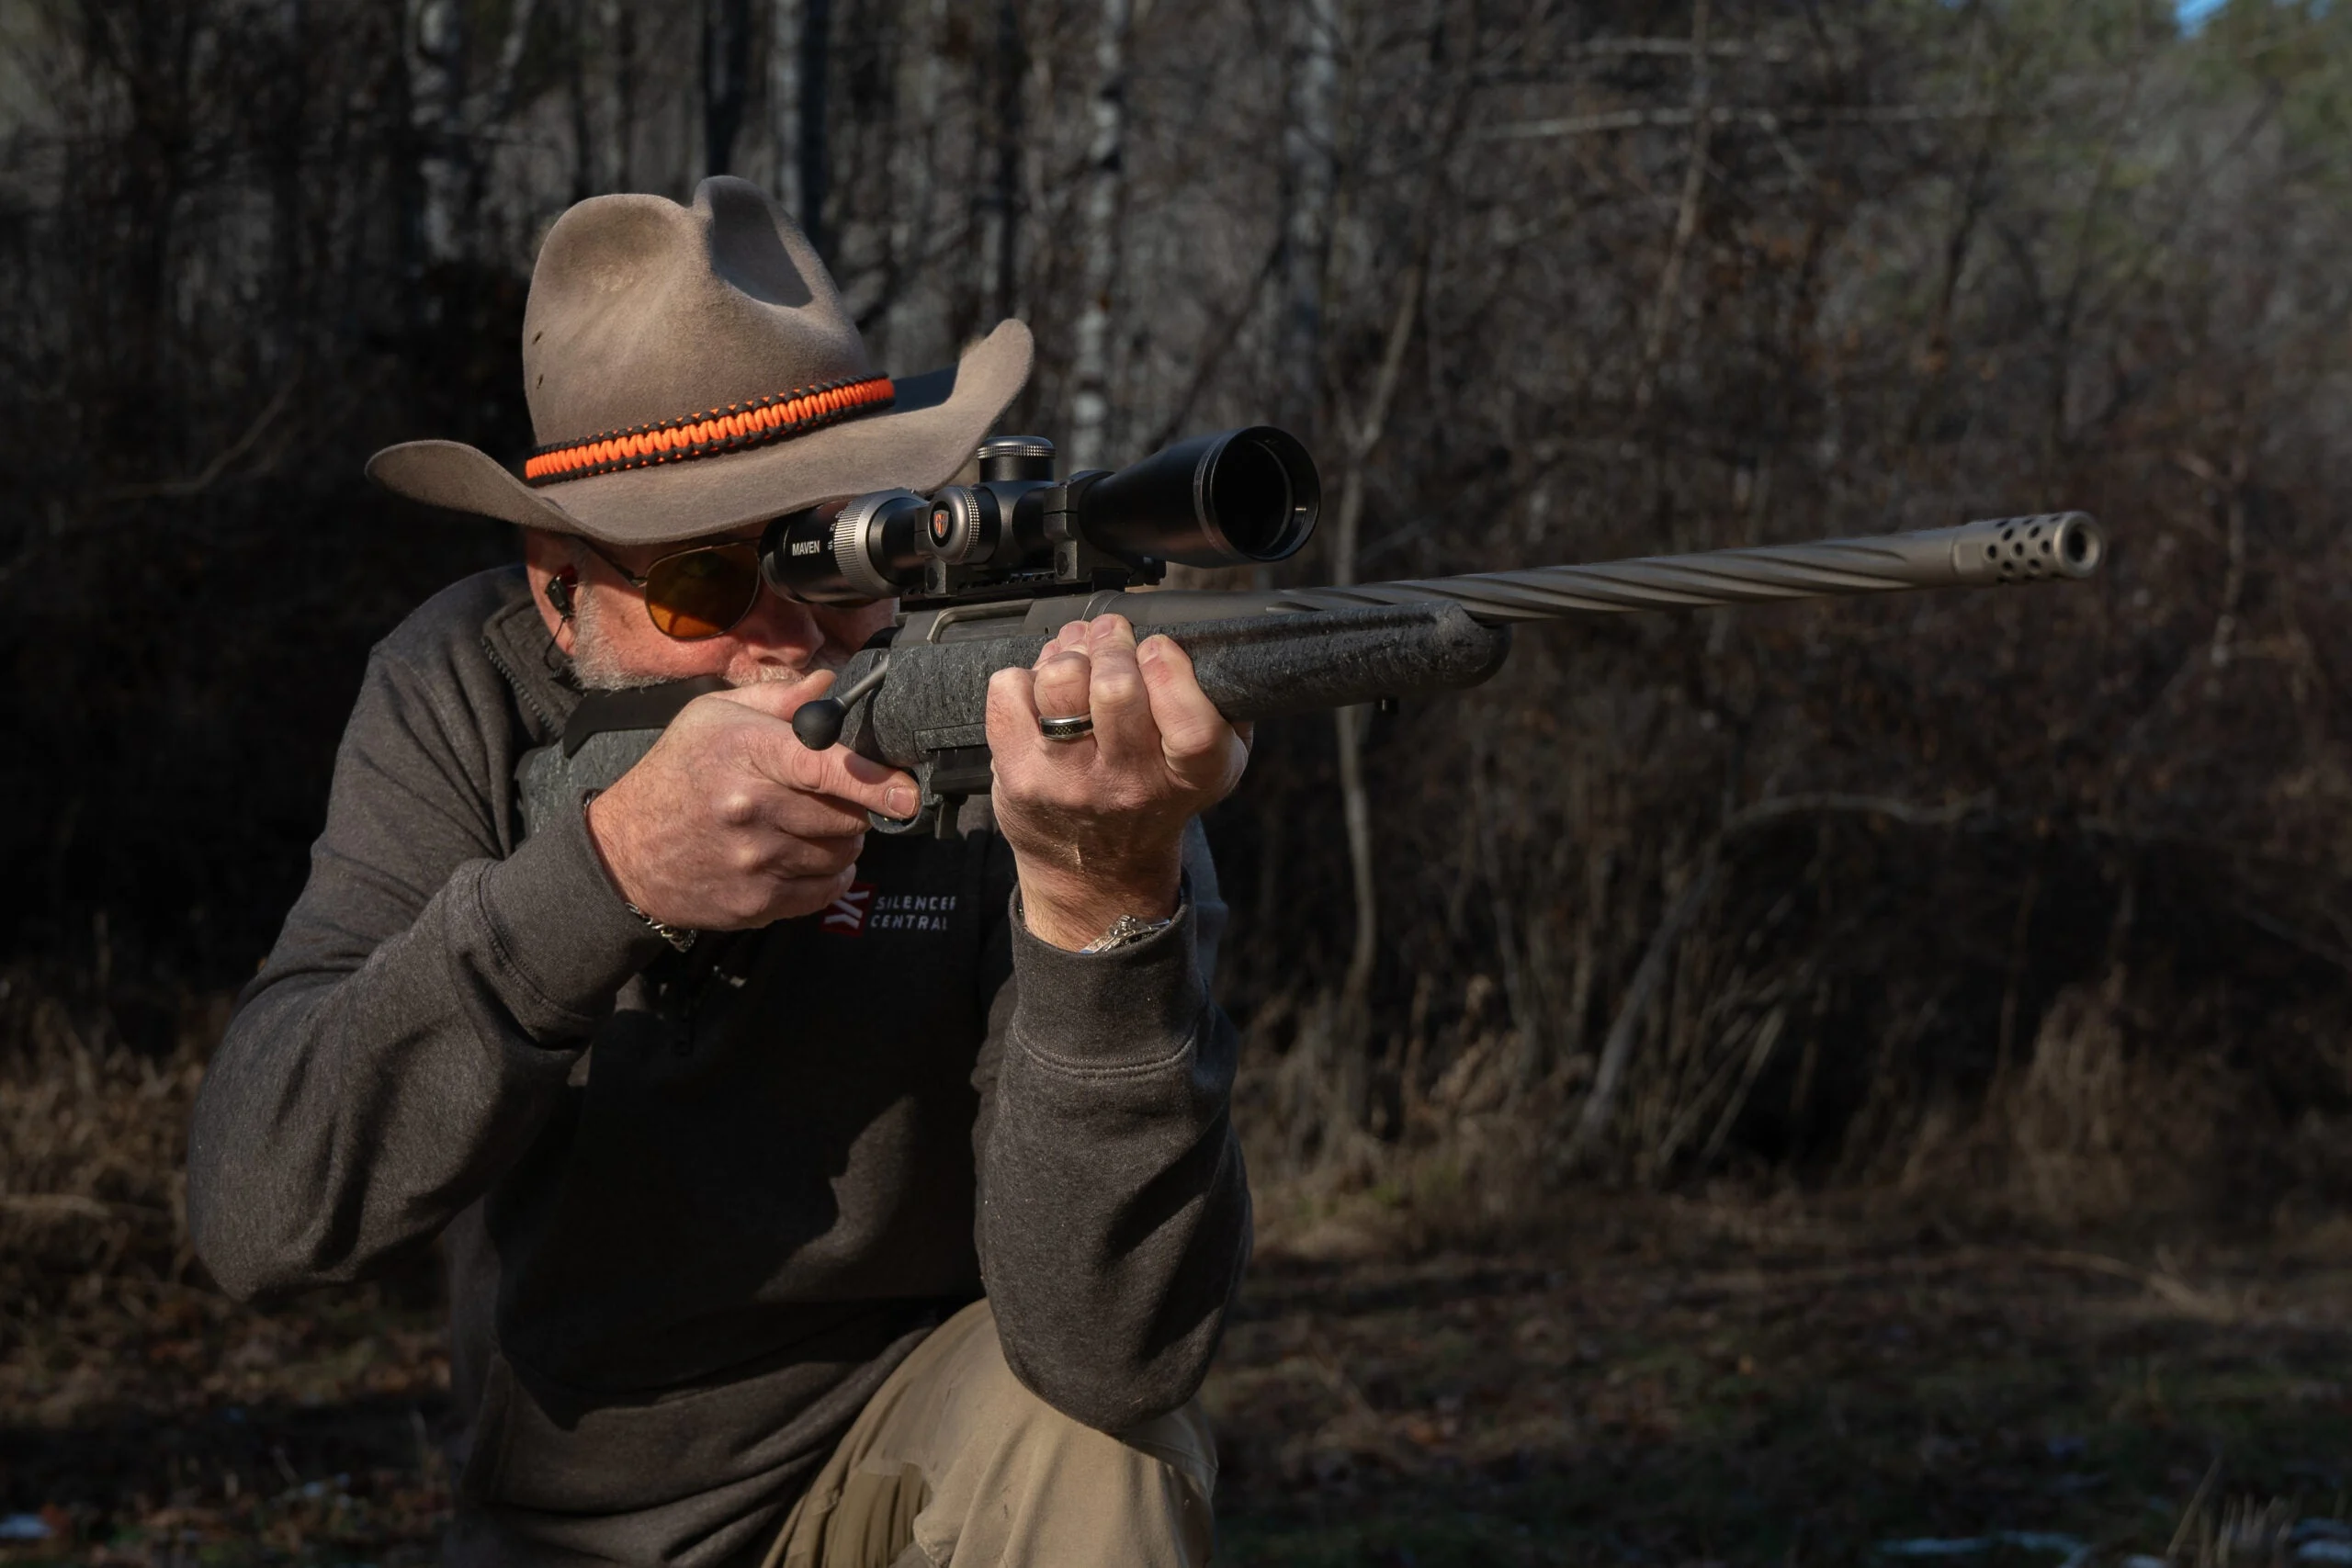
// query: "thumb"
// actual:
[[779, 699]]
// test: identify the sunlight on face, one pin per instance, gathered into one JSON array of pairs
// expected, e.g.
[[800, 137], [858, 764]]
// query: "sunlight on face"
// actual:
[[614, 645]]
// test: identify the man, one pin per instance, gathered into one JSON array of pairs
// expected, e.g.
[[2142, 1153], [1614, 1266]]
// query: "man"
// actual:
[[726, 1110]]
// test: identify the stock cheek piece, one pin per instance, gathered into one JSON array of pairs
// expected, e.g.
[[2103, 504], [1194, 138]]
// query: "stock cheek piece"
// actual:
[[735, 428]]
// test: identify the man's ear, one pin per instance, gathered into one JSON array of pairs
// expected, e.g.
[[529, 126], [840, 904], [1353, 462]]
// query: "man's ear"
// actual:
[[555, 582]]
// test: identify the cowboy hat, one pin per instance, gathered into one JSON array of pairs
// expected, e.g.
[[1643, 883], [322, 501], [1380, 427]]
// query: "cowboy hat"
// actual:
[[692, 370]]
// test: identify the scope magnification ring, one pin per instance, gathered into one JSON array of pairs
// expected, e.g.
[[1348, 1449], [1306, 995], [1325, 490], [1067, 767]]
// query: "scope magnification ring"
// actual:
[[854, 545]]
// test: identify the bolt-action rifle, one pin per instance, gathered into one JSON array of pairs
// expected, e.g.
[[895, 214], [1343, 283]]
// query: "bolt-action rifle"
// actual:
[[986, 573]]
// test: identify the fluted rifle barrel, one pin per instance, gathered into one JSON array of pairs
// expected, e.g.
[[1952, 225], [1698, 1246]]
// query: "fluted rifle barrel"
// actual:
[[2052, 546], [922, 702]]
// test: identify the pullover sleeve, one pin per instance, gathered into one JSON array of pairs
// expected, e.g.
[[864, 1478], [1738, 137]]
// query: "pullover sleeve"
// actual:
[[421, 1011], [1114, 1212]]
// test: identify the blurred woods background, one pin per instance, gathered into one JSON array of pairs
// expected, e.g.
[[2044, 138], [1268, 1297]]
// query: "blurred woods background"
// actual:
[[2025, 904]]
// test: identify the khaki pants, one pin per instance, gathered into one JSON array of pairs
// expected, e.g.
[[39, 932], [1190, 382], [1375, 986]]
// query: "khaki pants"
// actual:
[[953, 1460]]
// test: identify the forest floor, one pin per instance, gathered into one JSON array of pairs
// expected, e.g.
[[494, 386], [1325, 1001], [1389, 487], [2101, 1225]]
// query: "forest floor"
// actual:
[[1651, 1381]]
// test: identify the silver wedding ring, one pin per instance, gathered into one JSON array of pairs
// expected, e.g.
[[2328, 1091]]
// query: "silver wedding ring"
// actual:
[[1070, 729]]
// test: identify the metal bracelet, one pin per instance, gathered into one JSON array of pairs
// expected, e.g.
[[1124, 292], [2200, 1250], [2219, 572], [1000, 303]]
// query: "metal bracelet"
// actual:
[[1125, 932], [678, 937]]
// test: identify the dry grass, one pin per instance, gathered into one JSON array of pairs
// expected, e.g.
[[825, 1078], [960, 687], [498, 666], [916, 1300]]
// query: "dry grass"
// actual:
[[1446, 1355], [92, 1138]]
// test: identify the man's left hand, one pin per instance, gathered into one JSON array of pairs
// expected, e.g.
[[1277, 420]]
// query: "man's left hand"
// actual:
[[1097, 824]]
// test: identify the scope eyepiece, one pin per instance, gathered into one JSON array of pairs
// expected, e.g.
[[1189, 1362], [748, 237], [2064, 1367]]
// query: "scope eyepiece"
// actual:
[[854, 552]]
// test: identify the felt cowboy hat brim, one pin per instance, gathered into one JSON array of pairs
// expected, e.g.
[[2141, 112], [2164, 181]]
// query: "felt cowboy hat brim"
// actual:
[[931, 430], [647, 315]]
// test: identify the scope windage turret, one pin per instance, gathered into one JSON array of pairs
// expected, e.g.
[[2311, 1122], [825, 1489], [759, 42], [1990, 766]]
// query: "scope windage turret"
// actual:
[[1237, 498]]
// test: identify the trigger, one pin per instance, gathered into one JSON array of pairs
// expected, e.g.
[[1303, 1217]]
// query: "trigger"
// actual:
[[900, 827]]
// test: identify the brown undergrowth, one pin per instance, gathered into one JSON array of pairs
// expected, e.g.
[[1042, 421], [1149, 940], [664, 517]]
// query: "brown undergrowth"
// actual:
[[1448, 1351], [2114, 1118]]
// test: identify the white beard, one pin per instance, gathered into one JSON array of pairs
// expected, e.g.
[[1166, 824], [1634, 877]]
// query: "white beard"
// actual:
[[594, 665]]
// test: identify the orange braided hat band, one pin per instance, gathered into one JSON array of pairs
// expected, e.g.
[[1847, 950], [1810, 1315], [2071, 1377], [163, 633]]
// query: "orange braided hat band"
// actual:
[[732, 429]]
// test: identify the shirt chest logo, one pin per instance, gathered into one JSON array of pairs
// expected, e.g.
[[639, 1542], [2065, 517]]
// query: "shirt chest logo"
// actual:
[[866, 907], [846, 915]]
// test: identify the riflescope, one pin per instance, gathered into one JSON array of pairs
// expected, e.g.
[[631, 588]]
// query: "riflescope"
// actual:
[[1232, 499]]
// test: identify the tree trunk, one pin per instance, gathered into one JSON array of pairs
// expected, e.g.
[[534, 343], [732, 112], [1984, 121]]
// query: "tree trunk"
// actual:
[[1100, 211], [498, 98], [915, 174], [814, 157], [1686, 214], [1309, 170], [999, 251], [436, 54], [784, 100], [726, 79], [576, 102], [1650, 979], [613, 163], [1356, 802]]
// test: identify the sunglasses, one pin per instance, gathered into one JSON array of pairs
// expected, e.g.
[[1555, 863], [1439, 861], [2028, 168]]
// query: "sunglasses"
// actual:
[[696, 593]]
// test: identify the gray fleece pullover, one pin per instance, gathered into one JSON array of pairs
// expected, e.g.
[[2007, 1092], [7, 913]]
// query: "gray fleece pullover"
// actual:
[[696, 1207]]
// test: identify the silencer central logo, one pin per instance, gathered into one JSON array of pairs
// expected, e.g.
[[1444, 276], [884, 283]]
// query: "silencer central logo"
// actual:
[[864, 908]]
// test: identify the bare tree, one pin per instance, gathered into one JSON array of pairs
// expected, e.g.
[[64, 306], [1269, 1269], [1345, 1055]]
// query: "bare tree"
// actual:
[[1310, 176], [726, 79], [1100, 204], [436, 39], [785, 24], [1362, 432], [999, 251], [617, 36], [810, 149]]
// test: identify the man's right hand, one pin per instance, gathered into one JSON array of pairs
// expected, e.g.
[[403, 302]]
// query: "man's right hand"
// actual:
[[729, 822]]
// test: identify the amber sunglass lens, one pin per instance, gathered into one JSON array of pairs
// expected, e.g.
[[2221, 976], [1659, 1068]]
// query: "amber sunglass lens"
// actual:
[[701, 593]]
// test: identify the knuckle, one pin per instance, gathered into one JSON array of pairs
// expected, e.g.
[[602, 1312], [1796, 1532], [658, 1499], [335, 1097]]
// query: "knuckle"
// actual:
[[1118, 685], [1191, 736]]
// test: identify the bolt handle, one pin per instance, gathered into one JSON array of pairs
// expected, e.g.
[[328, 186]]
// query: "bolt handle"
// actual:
[[819, 721]]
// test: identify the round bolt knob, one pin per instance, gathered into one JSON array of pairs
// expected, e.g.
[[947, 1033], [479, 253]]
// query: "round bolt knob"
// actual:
[[817, 723]]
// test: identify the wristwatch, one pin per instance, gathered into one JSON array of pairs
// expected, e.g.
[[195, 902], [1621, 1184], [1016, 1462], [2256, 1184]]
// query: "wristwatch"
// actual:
[[1125, 932]]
